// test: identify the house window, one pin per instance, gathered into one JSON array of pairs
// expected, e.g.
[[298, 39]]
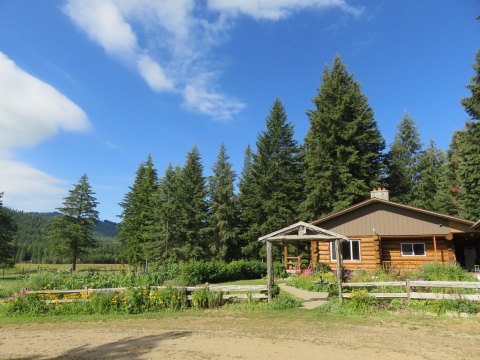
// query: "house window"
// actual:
[[350, 250], [413, 249]]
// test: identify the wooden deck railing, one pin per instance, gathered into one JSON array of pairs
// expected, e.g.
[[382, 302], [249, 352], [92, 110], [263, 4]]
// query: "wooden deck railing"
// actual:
[[412, 285]]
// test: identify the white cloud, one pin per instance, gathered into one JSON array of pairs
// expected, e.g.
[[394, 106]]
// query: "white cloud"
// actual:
[[276, 9], [111, 145], [104, 24], [179, 37], [198, 96], [153, 74], [32, 110], [27, 188]]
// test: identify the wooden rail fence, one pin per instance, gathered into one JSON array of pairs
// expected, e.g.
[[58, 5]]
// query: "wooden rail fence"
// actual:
[[412, 293], [230, 291]]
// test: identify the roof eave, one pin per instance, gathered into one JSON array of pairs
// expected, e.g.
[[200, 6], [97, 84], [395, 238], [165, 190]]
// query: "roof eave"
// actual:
[[408, 207]]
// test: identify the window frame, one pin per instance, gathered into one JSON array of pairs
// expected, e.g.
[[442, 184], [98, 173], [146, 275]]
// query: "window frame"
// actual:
[[413, 252], [350, 241]]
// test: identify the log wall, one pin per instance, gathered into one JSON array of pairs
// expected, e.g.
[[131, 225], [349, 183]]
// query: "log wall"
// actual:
[[391, 251], [369, 254], [375, 253]]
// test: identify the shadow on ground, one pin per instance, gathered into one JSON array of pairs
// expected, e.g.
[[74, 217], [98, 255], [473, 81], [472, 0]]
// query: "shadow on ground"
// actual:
[[129, 348]]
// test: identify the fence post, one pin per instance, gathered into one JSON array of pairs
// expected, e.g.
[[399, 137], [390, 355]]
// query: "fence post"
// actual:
[[338, 255], [409, 289], [269, 271]]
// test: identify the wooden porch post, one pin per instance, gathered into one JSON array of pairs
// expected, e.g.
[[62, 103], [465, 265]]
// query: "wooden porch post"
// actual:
[[285, 254], [338, 255], [435, 247], [269, 271]]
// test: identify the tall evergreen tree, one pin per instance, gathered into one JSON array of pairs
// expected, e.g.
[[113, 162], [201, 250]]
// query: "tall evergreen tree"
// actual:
[[450, 186], [71, 233], [343, 155], [7, 231], [276, 178], [192, 195], [222, 231], [138, 230], [248, 203], [170, 214], [402, 160], [469, 151], [430, 172]]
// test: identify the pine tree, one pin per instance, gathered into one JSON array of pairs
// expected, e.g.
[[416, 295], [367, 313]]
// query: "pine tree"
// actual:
[[222, 230], [71, 233], [248, 203], [430, 171], [7, 232], [192, 195], [402, 160], [171, 213], [469, 151], [138, 230], [276, 179], [343, 146], [450, 186]]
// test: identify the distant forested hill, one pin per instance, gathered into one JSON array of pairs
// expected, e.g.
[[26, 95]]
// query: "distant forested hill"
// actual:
[[31, 243]]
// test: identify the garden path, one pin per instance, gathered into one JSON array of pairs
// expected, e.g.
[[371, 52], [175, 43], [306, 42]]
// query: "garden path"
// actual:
[[311, 299]]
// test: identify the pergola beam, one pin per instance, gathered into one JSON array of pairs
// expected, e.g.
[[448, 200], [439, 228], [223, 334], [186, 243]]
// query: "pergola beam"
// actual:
[[298, 238]]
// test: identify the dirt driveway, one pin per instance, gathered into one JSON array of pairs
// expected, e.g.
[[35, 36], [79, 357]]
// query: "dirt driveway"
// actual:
[[239, 335]]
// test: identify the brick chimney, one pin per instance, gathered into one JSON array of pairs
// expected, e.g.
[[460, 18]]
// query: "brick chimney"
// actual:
[[379, 193]]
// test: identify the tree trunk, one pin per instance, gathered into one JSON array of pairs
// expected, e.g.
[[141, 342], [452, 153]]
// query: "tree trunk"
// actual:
[[74, 262]]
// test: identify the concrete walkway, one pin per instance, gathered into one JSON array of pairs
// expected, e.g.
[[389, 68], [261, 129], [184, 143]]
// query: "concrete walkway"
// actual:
[[311, 299]]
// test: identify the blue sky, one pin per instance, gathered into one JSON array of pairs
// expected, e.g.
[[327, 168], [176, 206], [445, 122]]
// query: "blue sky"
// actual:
[[96, 85]]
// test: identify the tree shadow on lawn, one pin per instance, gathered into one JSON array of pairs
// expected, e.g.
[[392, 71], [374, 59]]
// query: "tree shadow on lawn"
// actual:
[[129, 348]]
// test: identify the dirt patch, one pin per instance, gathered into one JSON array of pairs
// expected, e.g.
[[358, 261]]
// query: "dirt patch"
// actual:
[[224, 335]]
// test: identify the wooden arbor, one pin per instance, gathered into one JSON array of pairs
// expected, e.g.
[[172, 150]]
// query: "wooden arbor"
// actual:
[[302, 231]]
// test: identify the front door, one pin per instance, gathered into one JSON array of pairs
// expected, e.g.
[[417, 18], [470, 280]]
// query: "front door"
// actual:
[[470, 257]]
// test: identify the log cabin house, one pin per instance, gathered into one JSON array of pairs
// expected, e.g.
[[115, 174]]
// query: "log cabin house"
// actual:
[[383, 233]]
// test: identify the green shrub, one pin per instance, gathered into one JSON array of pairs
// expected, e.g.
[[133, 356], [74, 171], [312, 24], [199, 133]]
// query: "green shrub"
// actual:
[[27, 304], [103, 304], [284, 301], [275, 290], [279, 271], [200, 272], [90, 279], [316, 282], [168, 299], [137, 300], [458, 306], [181, 274], [373, 275], [205, 298], [360, 302], [396, 304], [323, 267], [443, 272]]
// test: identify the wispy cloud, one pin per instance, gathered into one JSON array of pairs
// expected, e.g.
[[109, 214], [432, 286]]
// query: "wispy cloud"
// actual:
[[32, 110], [170, 42], [277, 9], [111, 145]]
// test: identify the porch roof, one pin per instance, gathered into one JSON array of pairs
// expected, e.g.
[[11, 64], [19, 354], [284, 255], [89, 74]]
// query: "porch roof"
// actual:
[[302, 231]]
